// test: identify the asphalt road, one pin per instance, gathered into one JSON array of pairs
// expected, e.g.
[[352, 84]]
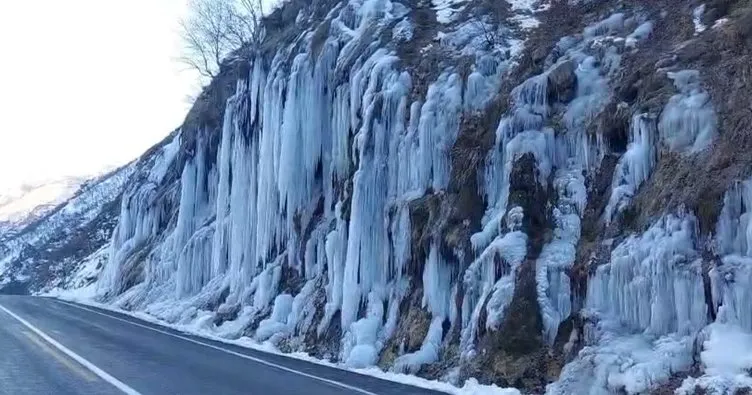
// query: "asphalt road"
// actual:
[[52, 347]]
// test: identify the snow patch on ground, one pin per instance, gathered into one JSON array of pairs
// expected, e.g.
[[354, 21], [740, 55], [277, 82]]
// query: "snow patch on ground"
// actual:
[[83, 283], [447, 10], [524, 10], [720, 22], [697, 19]]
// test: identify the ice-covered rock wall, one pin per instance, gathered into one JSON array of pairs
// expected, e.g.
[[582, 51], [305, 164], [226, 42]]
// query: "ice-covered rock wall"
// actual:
[[319, 156], [294, 220], [654, 304]]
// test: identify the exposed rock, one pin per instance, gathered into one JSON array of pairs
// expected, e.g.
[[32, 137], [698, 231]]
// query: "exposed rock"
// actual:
[[528, 191], [424, 219], [226, 313], [413, 326], [613, 123], [325, 345], [562, 82], [723, 58], [515, 355]]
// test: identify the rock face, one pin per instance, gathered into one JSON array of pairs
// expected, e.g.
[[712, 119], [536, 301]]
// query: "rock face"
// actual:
[[547, 196]]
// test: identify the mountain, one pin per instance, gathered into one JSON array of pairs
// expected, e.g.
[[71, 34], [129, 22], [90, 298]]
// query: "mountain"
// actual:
[[26, 203], [551, 196], [47, 244]]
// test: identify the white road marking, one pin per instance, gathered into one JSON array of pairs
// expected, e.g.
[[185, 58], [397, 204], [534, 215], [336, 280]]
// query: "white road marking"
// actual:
[[64, 360], [81, 360], [248, 357]]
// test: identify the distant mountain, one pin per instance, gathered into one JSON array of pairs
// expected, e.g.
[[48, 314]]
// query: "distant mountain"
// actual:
[[26, 203], [51, 227]]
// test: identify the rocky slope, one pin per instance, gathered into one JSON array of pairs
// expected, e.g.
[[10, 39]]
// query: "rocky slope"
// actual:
[[55, 227], [550, 196]]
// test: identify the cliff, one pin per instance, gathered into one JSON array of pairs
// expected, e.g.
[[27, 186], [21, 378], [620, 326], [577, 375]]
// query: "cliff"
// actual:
[[550, 196]]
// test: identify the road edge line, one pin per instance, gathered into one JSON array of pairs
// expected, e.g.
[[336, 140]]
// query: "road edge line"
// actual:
[[235, 353], [81, 360]]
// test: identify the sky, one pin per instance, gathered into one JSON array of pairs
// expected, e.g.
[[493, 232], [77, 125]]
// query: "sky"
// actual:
[[87, 84]]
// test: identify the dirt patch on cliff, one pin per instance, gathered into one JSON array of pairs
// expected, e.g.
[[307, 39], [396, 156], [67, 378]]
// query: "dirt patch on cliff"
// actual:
[[515, 354], [411, 331]]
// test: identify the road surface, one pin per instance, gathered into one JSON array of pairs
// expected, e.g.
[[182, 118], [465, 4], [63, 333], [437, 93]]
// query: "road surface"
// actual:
[[53, 347]]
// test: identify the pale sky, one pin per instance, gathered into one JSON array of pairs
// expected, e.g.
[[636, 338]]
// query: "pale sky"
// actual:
[[86, 84]]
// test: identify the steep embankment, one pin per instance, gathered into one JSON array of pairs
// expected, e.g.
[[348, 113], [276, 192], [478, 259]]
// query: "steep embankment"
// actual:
[[545, 195]]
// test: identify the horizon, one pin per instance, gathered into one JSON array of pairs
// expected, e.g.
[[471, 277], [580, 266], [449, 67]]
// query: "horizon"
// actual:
[[88, 85]]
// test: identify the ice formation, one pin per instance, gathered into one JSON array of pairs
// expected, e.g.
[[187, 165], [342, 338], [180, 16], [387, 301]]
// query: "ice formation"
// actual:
[[697, 15], [654, 283], [298, 219], [634, 166], [688, 121], [648, 303], [727, 343], [274, 197], [649, 309], [731, 278]]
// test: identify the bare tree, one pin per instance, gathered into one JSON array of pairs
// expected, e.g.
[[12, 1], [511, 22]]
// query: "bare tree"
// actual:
[[489, 33], [249, 14], [215, 28]]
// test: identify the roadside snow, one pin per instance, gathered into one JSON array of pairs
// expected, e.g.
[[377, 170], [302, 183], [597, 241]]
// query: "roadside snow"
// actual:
[[199, 327], [83, 284]]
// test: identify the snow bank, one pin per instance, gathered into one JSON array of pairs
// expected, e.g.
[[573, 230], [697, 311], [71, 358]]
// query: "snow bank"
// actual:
[[726, 359], [470, 387], [620, 362]]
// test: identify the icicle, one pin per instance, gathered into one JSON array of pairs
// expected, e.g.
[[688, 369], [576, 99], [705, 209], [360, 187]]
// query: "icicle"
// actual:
[[438, 127], [194, 246], [541, 145], [367, 235], [634, 167], [139, 220], [653, 282], [436, 298], [732, 280]]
